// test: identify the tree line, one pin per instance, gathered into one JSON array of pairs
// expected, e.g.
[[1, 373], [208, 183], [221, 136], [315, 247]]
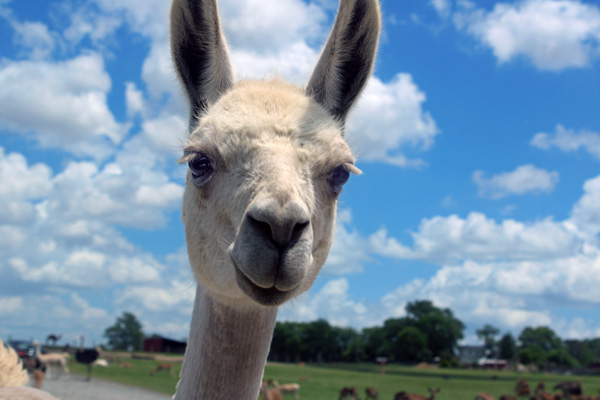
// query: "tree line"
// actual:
[[426, 334]]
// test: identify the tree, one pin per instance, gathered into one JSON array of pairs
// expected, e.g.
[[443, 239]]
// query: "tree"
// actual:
[[488, 335], [125, 334], [533, 354], [561, 357], [507, 347], [581, 350], [411, 345], [543, 337], [442, 329]]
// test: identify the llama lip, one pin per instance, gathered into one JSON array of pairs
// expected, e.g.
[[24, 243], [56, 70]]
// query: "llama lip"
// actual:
[[263, 296]]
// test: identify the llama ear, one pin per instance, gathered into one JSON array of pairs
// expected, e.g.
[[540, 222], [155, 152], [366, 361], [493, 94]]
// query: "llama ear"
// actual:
[[347, 59], [200, 53]]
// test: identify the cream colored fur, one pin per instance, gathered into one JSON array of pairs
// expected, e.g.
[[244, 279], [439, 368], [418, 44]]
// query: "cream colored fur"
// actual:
[[260, 224], [12, 372], [13, 376]]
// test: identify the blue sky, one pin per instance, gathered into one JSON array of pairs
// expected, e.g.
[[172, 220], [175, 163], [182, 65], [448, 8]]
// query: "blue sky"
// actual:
[[478, 136]]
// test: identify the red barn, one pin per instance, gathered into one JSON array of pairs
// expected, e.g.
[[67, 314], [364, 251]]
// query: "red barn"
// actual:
[[159, 344]]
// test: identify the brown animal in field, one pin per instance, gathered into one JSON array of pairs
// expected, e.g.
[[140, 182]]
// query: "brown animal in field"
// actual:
[[484, 396], [540, 388], [371, 393], [304, 378], [270, 394], [522, 388], [569, 388], [125, 365], [507, 397], [288, 388], [414, 396], [162, 367], [348, 392]]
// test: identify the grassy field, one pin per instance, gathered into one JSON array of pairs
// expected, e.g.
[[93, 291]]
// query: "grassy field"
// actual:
[[325, 382]]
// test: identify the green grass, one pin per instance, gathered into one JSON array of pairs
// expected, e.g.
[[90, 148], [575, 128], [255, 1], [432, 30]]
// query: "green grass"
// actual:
[[325, 381]]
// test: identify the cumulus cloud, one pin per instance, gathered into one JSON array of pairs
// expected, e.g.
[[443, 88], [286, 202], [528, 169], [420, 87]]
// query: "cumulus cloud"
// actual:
[[586, 212], [454, 239], [553, 34], [279, 24], [569, 141], [73, 240], [54, 312], [390, 117], [62, 104], [349, 251], [524, 179], [333, 302]]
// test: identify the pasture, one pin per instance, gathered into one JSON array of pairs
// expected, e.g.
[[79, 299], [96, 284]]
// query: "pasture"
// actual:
[[325, 381]]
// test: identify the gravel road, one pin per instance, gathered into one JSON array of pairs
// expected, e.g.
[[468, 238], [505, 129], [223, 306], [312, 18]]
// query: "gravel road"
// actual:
[[75, 387]]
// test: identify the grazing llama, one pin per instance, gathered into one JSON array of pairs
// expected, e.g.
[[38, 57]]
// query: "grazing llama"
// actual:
[[267, 162]]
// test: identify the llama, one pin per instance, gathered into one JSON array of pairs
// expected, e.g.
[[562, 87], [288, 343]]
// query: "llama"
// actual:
[[267, 161], [288, 388], [52, 359], [270, 394]]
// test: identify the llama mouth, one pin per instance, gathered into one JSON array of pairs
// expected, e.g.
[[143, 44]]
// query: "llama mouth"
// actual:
[[263, 296]]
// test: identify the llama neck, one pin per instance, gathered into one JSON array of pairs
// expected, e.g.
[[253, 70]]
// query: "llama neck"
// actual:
[[226, 352]]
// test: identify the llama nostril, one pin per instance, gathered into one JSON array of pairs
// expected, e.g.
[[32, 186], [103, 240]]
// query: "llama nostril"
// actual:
[[260, 227], [298, 229], [280, 231]]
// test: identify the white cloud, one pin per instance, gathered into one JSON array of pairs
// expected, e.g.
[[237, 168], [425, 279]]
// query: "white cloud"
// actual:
[[34, 39], [19, 181], [524, 179], [586, 212], [442, 7], [553, 34], [64, 104], [348, 252], [148, 17], [134, 99], [174, 297], [568, 140], [388, 117], [331, 302], [453, 239], [67, 236], [265, 27], [37, 314]]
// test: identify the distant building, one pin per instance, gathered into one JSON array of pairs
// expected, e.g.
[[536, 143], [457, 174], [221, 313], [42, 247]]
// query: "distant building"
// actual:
[[159, 344]]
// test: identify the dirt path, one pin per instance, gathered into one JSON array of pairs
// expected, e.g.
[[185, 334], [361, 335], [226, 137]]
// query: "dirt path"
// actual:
[[75, 387]]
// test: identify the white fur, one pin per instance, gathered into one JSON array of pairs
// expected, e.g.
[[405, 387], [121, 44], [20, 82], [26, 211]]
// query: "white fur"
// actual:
[[259, 230]]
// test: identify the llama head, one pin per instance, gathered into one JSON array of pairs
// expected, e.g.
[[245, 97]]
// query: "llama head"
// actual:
[[267, 160]]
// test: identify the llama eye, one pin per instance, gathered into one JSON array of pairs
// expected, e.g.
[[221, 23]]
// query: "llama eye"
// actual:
[[201, 168], [338, 178]]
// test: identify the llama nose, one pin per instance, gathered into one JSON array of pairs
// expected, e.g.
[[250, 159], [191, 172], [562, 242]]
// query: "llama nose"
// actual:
[[282, 225]]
